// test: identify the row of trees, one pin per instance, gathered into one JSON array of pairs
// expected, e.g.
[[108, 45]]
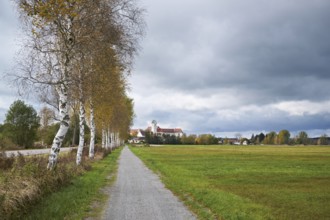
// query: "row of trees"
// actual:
[[271, 138], [78, 55], [284, 137], [205, 139]]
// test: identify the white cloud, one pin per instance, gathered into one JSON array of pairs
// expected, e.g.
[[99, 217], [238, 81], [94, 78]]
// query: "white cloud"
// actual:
[[301, 108]]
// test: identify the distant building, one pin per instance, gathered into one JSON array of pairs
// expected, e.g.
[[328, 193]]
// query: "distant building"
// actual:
[[164, 131], [139, 134]]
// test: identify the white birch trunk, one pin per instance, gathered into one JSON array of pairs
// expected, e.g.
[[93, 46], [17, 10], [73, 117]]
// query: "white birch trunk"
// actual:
[[106, 139], [109, 140], [64, 126], [112, 140], [117, 139], [103, 138], [81, 133], [92, 124]]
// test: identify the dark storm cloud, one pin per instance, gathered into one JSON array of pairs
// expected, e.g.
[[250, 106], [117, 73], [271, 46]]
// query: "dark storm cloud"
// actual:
[[223, 66], [271, 51], [276, 123], [206, 121], [240, 53]]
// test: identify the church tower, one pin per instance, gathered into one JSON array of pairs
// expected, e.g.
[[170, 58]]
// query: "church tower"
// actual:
[[154, 126]]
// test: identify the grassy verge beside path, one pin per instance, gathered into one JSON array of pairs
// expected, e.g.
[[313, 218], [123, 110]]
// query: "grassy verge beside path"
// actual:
[[83, 198], [246, 182]]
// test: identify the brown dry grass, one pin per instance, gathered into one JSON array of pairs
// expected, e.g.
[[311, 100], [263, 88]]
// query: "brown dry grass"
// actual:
[[25, 180]]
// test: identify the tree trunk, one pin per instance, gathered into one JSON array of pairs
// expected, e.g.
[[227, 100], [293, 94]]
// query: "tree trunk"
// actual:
[[81, 132], [112, 140], [106, 139], [74, 132], [64, 126], [117, 140], [109, 140], [103, 138], [92, 123]]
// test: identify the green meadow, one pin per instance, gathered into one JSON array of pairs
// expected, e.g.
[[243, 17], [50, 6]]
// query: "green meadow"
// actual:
[[246, 182]]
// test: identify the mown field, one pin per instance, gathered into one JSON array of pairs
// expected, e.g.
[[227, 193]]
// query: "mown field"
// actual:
[[247, 182]]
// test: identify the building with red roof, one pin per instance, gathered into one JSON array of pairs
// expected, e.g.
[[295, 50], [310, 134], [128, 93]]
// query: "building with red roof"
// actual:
[[155, 129]]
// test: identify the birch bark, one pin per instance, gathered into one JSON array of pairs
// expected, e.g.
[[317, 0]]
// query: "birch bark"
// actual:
[[64, 45], [103, 138], [64, 126], [81, 133], [117, 139], [81, 122], [112, 140], [92, 124], [109, 140], [106, 139]]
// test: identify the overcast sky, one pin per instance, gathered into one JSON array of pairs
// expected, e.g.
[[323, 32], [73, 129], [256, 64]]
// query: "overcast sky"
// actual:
[[223, 66]]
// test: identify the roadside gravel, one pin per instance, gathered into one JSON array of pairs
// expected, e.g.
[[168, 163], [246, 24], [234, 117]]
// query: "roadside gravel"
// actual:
[[34, 151]]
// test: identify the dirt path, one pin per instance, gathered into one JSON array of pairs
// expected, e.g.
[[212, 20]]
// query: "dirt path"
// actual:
[[139, 194]]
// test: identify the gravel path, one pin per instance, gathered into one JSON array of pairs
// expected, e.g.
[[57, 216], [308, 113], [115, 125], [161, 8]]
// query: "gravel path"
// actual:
[[139, 194]]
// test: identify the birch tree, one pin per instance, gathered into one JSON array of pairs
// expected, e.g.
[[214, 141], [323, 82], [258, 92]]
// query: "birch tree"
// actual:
[[107, 38], [51, 45], [63, 35]]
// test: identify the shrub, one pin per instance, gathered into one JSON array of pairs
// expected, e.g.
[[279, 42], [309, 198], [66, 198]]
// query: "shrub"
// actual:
[[6, 143], [6, 162]]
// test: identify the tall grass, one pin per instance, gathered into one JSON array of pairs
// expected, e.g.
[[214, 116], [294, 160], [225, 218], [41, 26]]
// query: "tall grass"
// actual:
[[83, 197], [231, 182], [24, 181]]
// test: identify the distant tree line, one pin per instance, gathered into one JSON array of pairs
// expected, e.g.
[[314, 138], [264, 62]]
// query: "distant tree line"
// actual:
[[204, 139], [283, 137]]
